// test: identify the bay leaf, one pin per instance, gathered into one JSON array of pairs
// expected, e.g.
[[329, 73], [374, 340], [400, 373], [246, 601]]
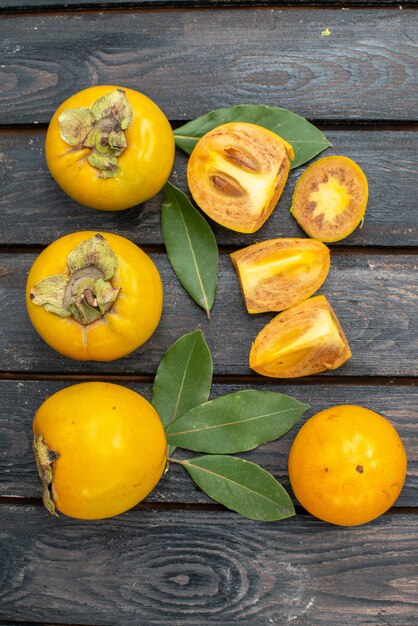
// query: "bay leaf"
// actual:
[[191, 247], [183, 379], [306, 139], [241, 486], [236, 422]]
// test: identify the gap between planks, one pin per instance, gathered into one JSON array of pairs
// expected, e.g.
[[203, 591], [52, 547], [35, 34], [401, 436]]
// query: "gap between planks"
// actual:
[[185, 506], [381, 381], [339, 249], [221, 5], [323, 125]]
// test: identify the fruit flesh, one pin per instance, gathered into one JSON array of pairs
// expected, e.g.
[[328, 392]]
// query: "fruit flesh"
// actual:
[[280, 273], [330, 198], [305, 339], [236, 174]]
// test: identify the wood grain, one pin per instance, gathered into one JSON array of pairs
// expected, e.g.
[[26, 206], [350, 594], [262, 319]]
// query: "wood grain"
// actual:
[[21, 399], [375, 298], [201, 568], [191, 62], [41, 5], [34, 210], [175, 559]]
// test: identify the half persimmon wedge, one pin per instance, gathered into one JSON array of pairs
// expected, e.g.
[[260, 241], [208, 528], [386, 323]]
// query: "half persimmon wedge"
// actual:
[[279, 273], [306, 339], [237, 172], [330, 198]]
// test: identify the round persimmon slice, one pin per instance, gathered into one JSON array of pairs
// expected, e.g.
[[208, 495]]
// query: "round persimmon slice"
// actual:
[[237, 172], [330, 198]]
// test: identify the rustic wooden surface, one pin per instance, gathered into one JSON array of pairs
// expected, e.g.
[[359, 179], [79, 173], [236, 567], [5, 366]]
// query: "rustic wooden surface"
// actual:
[[42, 5], [201, 568], [177, 558], [387, 157], [276, 56], [373, 295], [18, 476]]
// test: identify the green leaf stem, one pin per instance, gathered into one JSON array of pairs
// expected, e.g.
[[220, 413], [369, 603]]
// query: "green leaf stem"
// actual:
[[306, 139], [191, 247], [236, 422], [241, 486]]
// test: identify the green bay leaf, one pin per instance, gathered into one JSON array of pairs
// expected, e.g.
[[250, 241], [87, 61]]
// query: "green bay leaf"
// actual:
[[191, 247], [241, 486], [236, 422], [183, 379], [306, 139]]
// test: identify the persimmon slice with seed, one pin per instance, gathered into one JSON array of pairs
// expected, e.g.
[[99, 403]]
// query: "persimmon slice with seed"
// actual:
[[306, 339], [330, 198], [280, 273], [237, 172]]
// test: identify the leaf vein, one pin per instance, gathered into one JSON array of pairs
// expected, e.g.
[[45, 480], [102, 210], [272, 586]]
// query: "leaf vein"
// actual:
[[195, 263], [233, 482], [213, 426]]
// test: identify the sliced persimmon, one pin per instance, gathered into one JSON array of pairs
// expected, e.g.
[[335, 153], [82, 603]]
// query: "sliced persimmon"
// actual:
[[306, 339], [280, 273], [237, 172], [330, 198]]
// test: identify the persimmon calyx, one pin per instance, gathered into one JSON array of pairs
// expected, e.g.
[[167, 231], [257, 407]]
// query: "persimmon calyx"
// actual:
[[85, 291], [45, 458], [100, 128]]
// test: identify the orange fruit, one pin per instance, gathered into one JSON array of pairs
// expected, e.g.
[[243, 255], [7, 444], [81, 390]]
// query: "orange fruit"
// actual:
[[119, 329], [347, 465], [330, 198], [109, 147], [237, 172], [100, 449]]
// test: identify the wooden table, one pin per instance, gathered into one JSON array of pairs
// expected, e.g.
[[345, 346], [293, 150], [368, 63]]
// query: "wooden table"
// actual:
[[178, 558]]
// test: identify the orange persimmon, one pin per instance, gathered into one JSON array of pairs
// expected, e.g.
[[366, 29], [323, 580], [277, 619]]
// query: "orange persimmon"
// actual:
[[305, 339], [109, 147], [347, 465], [279, 273], [100, 449], [330, 198], [237, 172], [94, 296]]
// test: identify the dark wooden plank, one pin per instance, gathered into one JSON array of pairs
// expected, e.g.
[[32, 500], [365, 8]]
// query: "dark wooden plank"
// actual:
[[60, 5], [206, 568], [190, 62], [375, 298], [45, 212], [20, 400]]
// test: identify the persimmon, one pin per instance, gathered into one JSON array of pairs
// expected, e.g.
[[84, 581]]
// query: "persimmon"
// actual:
[[330, 198], [347, 465], [94, 296], [279, 273], [305, 339], [237, 172], [109, 147], [100, 449]]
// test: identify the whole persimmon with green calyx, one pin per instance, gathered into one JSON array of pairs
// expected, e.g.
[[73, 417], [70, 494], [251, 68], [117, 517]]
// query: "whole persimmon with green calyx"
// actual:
[[100, 449], [330, 198], [94, 296], [305, 339], [347, 465], [109, 147], [237, 172], [279, 273]]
